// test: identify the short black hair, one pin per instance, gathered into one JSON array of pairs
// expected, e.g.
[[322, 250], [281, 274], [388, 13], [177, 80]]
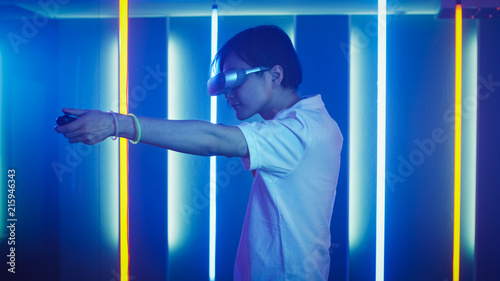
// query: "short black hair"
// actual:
[[264, 45]]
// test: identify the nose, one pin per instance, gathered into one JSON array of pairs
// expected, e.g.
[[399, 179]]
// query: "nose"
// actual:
[[228, 94]]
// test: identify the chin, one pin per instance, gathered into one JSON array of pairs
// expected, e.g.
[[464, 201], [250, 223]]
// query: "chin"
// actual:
[[242, 116]]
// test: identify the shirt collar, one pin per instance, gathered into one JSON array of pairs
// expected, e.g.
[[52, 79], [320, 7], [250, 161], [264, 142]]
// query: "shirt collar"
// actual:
[[306, 102]]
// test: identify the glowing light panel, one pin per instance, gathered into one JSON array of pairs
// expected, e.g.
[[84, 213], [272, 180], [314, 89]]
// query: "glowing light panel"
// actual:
[[469, 140], [357, 114], [458, 140], [123, 109], [213, 162], [381, 109], [176, 227]]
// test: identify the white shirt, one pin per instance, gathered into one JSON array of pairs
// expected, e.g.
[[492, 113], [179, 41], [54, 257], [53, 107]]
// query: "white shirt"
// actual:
[[286, 233]]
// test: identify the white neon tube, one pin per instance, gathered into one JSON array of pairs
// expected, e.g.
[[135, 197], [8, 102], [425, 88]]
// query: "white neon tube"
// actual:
[[213, 163], [381, 115]]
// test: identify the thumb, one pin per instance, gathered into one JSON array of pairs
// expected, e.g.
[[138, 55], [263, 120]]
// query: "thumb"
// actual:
[[74, 111]]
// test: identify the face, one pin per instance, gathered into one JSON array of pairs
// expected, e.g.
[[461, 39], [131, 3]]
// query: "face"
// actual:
[[253, 95]]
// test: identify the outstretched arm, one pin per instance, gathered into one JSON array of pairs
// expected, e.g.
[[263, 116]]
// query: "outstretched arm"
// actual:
[[187, 136]]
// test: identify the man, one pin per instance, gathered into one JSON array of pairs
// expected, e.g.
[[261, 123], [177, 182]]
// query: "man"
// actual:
[[294, 154]]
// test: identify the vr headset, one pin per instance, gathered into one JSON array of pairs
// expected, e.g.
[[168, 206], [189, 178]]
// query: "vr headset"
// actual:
[[226, 80]]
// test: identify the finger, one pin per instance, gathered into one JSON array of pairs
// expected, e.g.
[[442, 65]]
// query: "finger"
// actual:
[[59, 129], [72, 134], [76, 139], [74, 111], [70, 127]]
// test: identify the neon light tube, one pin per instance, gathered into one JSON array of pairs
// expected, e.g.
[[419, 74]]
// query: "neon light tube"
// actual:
[[458, 140], [357, 115], [213, 163], [381, 110], [469, 142], [123, 109], [176, 227]]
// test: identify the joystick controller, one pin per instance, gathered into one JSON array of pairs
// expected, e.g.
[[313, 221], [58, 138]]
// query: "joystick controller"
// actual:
[[65, 119]]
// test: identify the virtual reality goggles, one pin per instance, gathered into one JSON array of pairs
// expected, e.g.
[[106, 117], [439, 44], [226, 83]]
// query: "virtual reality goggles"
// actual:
[[226, 80]]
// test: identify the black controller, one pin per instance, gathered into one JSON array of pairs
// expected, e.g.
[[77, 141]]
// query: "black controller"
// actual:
[[65, 119]]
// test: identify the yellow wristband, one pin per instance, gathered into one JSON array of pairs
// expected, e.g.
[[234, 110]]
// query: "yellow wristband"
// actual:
[[137, 127]]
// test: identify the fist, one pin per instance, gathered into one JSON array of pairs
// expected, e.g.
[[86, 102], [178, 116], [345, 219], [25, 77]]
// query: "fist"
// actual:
[[91, 127]]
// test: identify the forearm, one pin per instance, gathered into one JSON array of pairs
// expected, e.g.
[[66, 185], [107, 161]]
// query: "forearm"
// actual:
[[187, 136]]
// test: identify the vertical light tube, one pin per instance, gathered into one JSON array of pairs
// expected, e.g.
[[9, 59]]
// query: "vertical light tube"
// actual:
[[213, 163], [469, 139], [175, 196], [381, 109], [458, 140], [357, 133], [123, 109]]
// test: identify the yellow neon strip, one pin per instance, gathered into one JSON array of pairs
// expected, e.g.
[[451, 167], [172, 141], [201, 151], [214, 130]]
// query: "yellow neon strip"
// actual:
[[124, 258], [123, 109], [458, 140]]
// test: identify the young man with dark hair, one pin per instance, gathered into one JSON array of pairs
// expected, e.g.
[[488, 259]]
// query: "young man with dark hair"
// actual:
[[294, 154]]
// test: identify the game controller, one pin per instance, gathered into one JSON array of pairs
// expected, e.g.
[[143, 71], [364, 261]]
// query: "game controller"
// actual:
[[65, 119]]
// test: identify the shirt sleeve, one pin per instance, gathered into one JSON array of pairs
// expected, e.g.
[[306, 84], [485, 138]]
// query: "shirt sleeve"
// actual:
[[276, 146]]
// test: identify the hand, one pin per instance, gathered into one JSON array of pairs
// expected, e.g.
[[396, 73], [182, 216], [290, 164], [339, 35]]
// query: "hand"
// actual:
[[91, 127]]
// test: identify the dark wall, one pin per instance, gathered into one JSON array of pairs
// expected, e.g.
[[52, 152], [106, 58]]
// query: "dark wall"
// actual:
[[419, 148], [148, 164], [488, 152]]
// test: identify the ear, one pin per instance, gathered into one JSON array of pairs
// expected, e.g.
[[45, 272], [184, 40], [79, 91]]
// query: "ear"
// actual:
[[276, 75]]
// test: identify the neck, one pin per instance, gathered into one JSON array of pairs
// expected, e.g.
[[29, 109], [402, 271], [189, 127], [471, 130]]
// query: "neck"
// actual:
[[282, 101]]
